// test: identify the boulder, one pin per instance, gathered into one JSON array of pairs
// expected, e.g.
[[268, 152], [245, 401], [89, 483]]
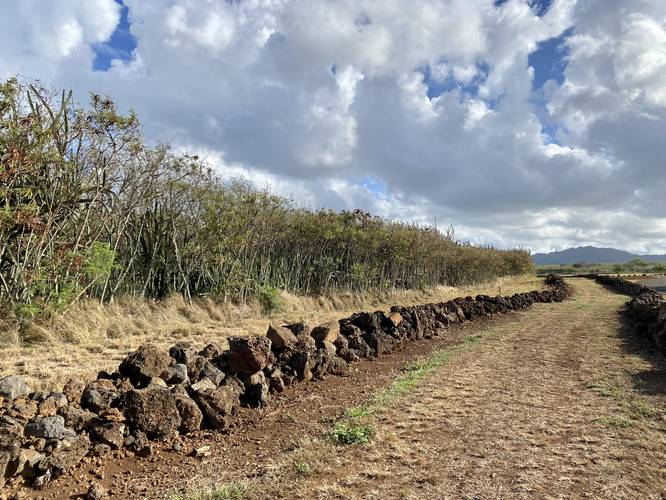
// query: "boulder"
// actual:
[[190, 414], [211, 351], [176, 374], [11, 432], [218, 405], [26, 462], [152, 410], [182, 352], [109, 433], [48, 407], [275, 381], [48, 428], [23, 409], [100, 395], [302, 364], [203, 384], [248, 355], [77, 418], [281, 338], [298, 329], [256, 390], [137, 441], [12, 387], [146, 362], [68, 453], [395, 318], [326, 332]]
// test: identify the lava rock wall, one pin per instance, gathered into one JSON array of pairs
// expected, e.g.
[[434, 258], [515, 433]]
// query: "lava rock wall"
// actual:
[[159, 395], [646, 309]]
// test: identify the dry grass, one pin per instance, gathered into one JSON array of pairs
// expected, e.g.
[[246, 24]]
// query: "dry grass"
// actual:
[[547, 404], [92, 337]]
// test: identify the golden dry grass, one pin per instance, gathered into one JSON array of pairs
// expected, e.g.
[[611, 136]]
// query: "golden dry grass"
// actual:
[[92, 337], [554, 402]]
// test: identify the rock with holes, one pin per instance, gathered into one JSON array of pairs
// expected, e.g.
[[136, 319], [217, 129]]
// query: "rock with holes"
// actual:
[[176, 374], [326, 332], [66, 454], [77, 419], [48, 428], [256, 390], [11, 432], [100, 395], [248, 355], [26, 463], [281, 338], [190, 414], [152, 410], [109, 433], [146, 362], [12, 387], [218, 406], [211, 351], [182, 352]]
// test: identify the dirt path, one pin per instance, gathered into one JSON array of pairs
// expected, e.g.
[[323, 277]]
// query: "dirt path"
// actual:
[[556, 401], [560, 403]]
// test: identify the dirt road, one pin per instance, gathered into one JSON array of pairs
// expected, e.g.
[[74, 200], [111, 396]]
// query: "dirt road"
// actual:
[[557, 401], [560, 401]]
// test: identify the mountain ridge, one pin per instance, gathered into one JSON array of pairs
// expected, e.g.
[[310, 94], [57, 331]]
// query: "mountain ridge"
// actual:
[[591, 254]]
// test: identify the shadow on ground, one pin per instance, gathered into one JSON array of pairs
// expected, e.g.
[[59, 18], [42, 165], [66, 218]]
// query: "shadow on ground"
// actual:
[[651, 381]]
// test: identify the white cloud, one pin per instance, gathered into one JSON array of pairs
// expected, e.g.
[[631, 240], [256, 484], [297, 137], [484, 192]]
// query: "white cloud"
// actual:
[[311, 97]]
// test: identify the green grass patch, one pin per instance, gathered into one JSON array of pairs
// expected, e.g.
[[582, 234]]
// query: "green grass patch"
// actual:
[[413, 374], [640, 409], [347, 432], [614, 421], [302, 468], [607, 387], [229, 491]]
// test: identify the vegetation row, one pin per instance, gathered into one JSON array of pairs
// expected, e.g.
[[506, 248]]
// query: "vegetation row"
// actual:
[[89, 209]]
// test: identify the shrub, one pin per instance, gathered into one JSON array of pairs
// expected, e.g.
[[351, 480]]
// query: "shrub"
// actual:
[[345, 432], [88, 209], [269, 298]]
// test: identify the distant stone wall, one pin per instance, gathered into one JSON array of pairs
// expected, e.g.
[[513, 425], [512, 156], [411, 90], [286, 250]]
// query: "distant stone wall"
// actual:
[[646, 309], [157, 395]]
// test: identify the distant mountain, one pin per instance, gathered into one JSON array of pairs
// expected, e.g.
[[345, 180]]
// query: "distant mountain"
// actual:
[[592, 255]]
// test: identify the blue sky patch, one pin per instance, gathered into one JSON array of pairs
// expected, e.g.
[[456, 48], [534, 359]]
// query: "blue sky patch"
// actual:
[[549, 60], [437, 87], [120, 46], [376, 186]]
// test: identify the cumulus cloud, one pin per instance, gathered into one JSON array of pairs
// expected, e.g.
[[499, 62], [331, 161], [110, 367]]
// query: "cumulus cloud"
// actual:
[[423, 110]]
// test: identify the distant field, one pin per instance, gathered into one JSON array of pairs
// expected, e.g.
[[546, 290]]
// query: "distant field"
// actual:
[[632, 267]]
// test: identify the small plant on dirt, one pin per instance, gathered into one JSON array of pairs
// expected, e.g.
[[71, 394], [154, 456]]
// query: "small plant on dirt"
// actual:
[[349, 433], [230, 491], [269, 298], [302, 468], [359, 412]]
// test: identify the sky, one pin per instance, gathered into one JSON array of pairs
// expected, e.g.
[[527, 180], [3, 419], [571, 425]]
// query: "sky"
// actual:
[[531, 123]]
